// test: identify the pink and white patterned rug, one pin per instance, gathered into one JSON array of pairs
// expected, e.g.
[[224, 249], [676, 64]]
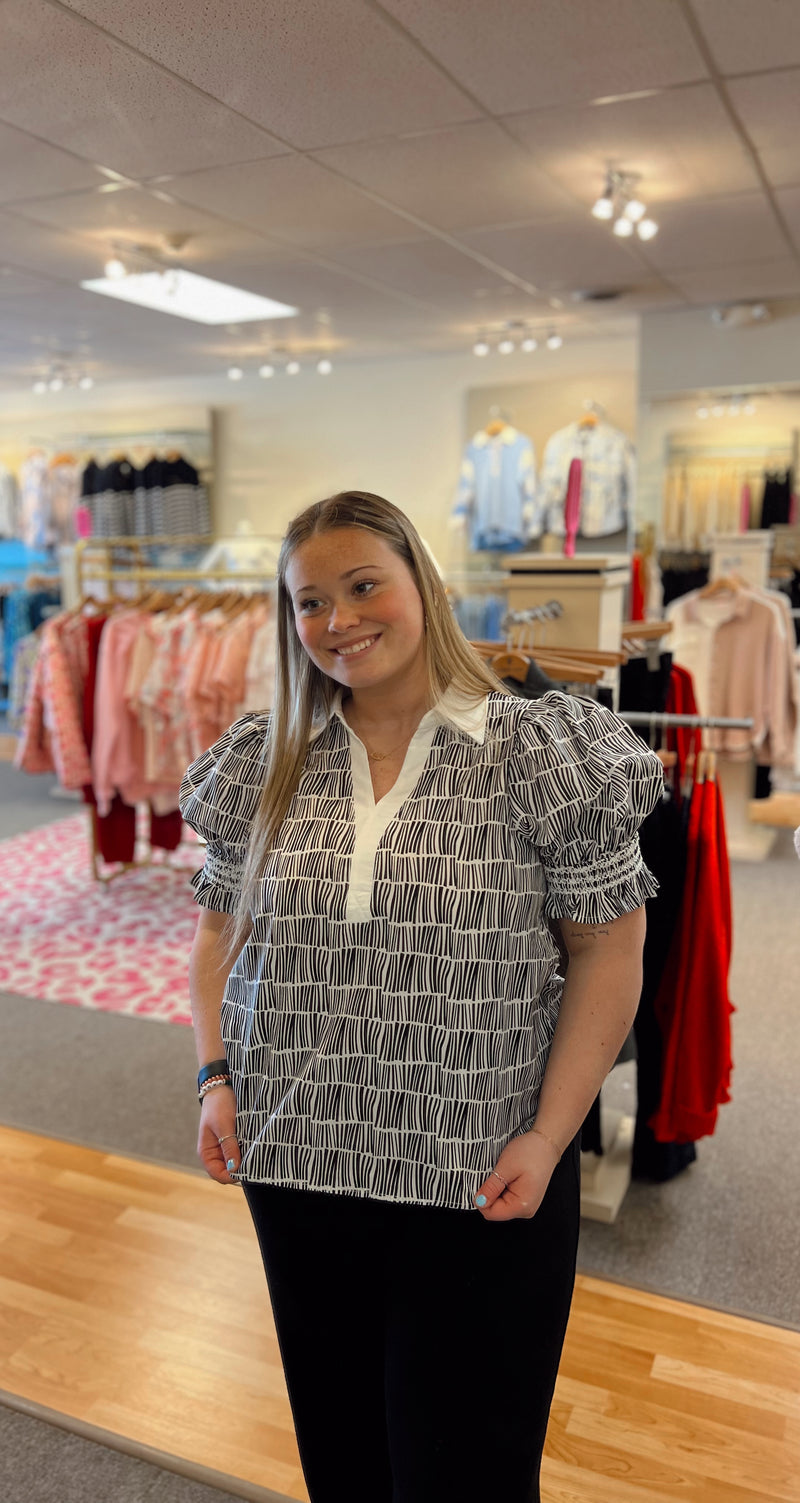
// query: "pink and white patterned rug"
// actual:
[[117, 947]]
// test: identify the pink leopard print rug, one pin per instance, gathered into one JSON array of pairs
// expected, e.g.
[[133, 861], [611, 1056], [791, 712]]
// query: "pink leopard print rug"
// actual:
[[118, 947]]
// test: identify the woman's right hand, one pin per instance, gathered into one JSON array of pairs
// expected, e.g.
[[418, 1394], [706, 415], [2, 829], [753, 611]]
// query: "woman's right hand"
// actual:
[[218, 1122]]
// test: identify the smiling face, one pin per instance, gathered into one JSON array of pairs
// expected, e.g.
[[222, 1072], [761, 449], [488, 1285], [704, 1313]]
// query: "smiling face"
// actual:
[[357, 610]]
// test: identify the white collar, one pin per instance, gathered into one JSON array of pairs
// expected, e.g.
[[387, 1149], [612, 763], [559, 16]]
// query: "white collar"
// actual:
[[509, 435], [453, 709]]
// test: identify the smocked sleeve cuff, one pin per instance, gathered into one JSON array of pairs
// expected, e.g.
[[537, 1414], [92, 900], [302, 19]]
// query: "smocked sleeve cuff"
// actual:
[[219, 882], [601, 890]]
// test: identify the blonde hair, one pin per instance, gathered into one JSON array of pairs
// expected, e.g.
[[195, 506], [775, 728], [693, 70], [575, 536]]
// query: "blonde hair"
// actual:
[[304, 695]]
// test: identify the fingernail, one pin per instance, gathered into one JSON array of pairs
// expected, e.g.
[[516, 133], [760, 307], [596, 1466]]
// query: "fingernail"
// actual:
[[480, 1200], [230, 1166]]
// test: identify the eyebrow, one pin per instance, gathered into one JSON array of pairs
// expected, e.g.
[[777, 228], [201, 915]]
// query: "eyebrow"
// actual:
[[347, 575]]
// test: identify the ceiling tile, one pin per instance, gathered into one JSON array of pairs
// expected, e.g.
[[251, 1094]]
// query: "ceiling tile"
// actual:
[[745, 38], [682, 143], [134, 216], [316, 74], [789, 203], [770, 112], [725, 284], [721, 232], [456, 179], [514, 55], [32, 247], [566, 256], [427, 269], [293, 199], [69, 84], [29, 168]]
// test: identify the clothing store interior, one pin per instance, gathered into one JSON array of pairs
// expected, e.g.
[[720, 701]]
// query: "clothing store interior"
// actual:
[[531, 272]]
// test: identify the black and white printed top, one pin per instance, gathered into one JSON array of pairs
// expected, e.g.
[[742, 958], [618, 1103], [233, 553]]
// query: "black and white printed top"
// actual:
[[388, 1022]]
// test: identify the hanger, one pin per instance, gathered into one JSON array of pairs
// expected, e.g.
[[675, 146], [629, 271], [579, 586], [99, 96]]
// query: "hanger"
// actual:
[[727, 584]]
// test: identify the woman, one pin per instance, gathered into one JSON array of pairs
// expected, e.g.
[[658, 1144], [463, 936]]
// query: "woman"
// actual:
[[394, 1069]]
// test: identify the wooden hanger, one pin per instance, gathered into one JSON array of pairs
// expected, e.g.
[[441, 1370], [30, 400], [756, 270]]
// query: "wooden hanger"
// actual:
[[646, 631], [589, 420], [495, 426], [727, 584]]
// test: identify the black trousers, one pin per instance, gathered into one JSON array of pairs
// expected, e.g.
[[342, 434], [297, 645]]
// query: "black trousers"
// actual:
[[420, 1345]]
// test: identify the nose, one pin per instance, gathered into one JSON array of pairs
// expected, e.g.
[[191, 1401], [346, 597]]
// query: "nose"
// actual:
[[343, 617]]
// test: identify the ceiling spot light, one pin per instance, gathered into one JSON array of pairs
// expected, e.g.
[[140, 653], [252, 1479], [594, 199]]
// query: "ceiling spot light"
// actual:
[[702, 413], [480, 347], [115, 269], [40, 387], [324, 367], [293, 368], [718, 410], [86, 383], [529, 345], [56, 383], [554, 341], [623, 228], [506, 347], [735, 408], [265, 371], [604, 208], [647, 230], [635, 210], [235, 373], [749, 409]]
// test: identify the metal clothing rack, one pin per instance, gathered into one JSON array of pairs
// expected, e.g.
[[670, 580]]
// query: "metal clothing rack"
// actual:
[[701, 722], [144, 573]]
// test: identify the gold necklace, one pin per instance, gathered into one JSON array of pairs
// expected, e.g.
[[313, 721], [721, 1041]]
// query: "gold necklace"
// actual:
[[382, 756]]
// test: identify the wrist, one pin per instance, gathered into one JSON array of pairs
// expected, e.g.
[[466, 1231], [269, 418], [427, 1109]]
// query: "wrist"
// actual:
[[556, 1148]]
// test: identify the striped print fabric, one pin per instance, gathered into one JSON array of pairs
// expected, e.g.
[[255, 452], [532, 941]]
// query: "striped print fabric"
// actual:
[[395, 1057]]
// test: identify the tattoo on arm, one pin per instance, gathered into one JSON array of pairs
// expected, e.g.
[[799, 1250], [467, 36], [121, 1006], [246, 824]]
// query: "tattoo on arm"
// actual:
[[588, 933]]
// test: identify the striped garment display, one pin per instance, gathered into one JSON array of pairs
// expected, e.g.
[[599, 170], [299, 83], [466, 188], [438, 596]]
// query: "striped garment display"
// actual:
[[388, 1022]]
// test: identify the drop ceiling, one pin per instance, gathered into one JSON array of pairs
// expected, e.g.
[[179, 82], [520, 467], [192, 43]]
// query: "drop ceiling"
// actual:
[[407, 173]]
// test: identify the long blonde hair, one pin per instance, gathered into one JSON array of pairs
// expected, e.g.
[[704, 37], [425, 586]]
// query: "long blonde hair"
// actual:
[[303, 694]]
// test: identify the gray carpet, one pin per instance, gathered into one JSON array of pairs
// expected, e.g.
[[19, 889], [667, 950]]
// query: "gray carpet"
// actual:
[[27, 801], [724, 1233], [43, 1463]]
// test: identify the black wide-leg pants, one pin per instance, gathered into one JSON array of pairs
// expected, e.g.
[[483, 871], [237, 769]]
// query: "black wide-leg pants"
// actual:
[[420, 1345]]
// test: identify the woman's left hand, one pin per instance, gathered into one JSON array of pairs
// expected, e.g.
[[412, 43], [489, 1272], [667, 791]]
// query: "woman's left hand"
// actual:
[[526, 1165]]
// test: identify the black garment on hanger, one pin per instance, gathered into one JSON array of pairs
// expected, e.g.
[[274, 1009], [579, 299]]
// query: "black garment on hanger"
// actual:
[[676, 581], [536, 683], [777, 499]]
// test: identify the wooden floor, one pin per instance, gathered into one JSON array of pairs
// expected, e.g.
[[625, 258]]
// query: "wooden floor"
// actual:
[[132, 1298]]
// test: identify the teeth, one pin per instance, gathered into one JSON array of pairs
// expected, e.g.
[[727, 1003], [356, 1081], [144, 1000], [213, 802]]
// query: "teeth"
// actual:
[[348, 652]]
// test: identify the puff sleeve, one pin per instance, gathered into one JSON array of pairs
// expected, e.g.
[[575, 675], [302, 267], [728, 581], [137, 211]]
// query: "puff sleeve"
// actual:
[[219, 798], [580, 783]]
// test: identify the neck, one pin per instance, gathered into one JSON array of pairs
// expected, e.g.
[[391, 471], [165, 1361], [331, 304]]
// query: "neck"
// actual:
[[387, 707]]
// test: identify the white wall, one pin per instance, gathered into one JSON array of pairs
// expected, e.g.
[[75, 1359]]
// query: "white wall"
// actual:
[[395, 427]]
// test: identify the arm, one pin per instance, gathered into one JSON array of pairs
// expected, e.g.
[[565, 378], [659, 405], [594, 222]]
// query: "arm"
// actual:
[[209, 965], [601, 995]]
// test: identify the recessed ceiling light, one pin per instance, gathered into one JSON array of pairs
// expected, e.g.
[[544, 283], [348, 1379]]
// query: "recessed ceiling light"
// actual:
[[186, 295]]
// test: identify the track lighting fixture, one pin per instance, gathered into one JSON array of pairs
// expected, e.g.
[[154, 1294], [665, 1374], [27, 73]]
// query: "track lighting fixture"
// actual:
[[324, 367], [554, 341], [480, 347], [620, 203], [235, 373], [293, 368], [115, 269]]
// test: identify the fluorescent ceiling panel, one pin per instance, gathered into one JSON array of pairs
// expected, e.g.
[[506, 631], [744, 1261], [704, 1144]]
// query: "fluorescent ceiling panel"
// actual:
[[186, 295]]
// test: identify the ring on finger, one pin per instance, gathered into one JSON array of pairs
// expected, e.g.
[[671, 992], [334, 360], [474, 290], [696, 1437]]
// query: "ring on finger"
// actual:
[[226, 1137], [500, 1177]]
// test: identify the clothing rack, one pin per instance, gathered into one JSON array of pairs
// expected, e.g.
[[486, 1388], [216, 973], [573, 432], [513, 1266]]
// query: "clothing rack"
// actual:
[[144, 573], [658, 719]]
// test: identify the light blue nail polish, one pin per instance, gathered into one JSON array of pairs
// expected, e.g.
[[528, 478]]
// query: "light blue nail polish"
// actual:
[[230, 1166], [480, 1200]]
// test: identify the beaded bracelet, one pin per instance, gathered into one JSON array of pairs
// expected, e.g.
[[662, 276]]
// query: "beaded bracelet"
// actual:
[[212, 1084], [211, 1070]]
